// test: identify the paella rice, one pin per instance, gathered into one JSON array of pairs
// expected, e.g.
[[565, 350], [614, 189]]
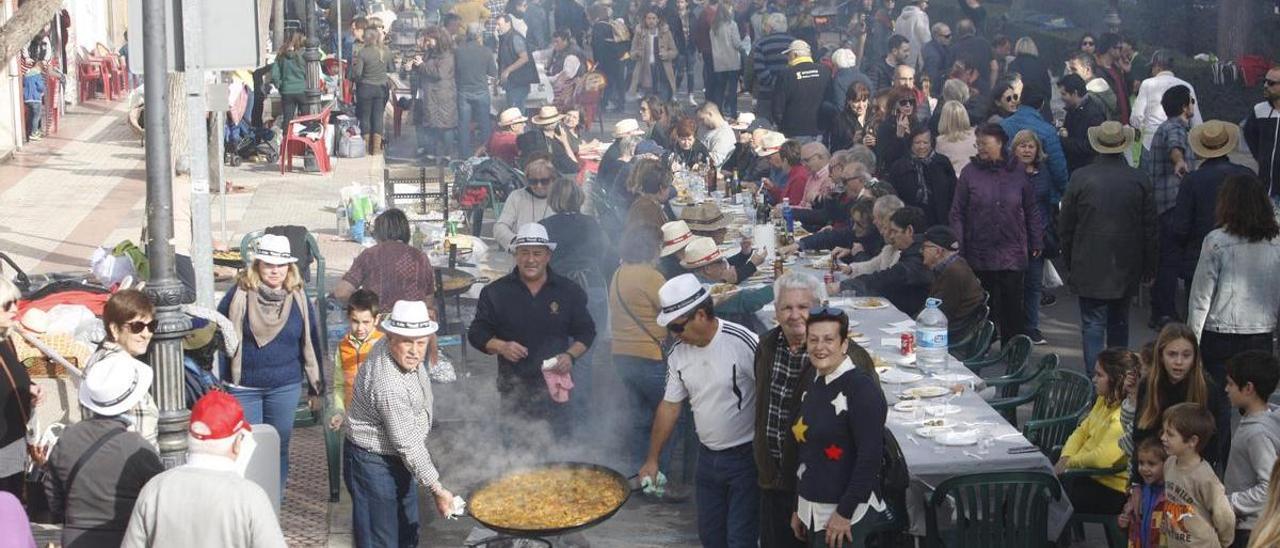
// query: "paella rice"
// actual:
[[551, 498]]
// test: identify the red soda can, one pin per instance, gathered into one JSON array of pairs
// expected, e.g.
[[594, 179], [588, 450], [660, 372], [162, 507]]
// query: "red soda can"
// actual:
[[908, 344], [829, 278]]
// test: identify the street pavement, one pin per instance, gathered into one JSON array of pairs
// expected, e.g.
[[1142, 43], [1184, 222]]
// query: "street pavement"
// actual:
[[85, 187]]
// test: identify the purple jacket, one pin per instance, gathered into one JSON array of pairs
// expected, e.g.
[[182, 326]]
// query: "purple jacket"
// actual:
[[994, 213]]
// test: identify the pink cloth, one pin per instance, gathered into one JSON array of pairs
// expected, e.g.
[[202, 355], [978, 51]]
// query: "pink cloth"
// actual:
[[558, 385]]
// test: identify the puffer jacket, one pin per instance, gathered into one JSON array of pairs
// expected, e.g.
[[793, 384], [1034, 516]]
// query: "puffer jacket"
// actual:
[[1234, 289], [994, 212]]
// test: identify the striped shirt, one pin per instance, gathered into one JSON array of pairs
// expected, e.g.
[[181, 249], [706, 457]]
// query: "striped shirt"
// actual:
[[768, 58], [390, 414], [719, 381]]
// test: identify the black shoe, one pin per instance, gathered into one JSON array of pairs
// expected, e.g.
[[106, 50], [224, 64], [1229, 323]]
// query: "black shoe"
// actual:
[[1048, 299], [1037, 338]]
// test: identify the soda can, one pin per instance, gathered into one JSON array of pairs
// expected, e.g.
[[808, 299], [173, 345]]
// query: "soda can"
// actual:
[[829, 278], [908, 344]]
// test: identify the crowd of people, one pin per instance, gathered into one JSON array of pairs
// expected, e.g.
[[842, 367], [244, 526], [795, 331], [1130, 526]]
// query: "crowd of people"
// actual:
[[924, 165]]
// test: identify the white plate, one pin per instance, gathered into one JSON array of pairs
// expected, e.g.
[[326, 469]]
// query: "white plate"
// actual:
[[882, 369], [861, 341], [898, 376], [908, 406], [926, 392], [958, 438], [940, 410], [931, 431], [953, 377], [870, 304], [898, 359]]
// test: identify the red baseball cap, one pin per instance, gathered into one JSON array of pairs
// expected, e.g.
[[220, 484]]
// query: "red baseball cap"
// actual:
[[216, 416]]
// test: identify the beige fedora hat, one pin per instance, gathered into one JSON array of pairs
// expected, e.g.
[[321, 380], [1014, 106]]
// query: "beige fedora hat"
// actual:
[[1214, 139], [1110, 138]]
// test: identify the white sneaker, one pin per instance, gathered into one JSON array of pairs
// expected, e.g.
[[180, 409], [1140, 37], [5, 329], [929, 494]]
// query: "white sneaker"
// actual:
[[692, 101]]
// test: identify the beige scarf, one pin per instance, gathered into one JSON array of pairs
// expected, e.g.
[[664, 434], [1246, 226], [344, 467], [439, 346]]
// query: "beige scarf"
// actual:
[[267, 316]]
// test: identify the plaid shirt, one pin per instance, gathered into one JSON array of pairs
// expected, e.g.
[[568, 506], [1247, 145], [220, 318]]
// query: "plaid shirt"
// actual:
[[496, 8], [1171, 134], [390, 414], [784, 378]]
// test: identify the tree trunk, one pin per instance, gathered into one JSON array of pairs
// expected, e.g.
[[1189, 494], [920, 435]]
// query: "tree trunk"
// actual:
[[30, 18], [1235, 28]]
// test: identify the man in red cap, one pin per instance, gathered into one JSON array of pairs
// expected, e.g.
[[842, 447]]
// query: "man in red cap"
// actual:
[[207, 502]]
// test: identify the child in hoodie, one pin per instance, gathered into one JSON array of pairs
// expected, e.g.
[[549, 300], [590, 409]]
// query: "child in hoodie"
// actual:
[[33, 89], [1145, 510], [1251, 378]]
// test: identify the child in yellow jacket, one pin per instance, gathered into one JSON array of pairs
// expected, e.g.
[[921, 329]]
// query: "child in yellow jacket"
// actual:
[[1095, 443]]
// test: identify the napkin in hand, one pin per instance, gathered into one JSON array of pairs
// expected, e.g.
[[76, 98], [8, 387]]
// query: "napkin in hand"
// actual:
[[558, 384]]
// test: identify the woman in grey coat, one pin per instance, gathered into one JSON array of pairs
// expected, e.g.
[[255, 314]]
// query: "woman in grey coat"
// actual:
[[436, 111]]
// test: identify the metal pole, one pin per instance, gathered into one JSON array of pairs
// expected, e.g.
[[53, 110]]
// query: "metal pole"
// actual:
[[198, 139], [277, 25], [311, 55], [163, 287]]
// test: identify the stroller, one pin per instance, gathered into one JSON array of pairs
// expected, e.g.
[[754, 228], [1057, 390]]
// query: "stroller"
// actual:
[[243, 141]]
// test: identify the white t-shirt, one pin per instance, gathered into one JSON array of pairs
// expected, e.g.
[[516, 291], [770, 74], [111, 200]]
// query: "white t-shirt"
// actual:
[[720, 382]]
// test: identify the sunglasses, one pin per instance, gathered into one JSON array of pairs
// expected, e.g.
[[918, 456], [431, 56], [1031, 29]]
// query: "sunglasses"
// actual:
[[1089, 43], [540, 182], [906, 103], [677, 328], [826, 312], [944, 36], [136, 326], [1010, 98], [1269, 83]]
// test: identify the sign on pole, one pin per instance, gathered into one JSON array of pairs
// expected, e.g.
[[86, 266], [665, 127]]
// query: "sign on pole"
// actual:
[[229, 37]]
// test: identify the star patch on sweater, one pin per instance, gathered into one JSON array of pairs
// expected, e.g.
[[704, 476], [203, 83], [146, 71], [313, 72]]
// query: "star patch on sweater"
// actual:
[[841, 403], [799, 429], [834, 452]]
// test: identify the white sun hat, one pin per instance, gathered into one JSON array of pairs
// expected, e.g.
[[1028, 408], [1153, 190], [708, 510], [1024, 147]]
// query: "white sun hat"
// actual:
[[115, 384], [532, 234], [678, 296], [273, 249], [410, 319]]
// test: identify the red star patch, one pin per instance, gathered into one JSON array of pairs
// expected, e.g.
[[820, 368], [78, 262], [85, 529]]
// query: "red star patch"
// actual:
[[833, 452]]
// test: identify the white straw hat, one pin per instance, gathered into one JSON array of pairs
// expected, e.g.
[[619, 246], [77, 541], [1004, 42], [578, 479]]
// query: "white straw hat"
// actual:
[[627, 127], [511, 116], [115, 384], [703, 251], [532, 234], [675, 235], [678, 296], [273, 249], [410, 319]]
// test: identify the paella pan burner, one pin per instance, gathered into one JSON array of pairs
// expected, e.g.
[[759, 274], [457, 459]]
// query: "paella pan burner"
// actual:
[[543, 535]]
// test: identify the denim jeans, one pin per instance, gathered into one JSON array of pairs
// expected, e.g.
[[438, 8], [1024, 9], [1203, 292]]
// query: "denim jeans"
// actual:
[[645, 382], [473, 107], [274, 406], [684, 71], [1033, 287], [722, 89], [1164, 291], [1215, 350], [1103, 323], [517, 95], [728, 498], [384, 499], [371, 107], [35, 117]]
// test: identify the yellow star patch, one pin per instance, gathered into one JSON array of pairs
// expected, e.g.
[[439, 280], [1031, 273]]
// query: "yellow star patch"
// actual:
[[799, 429]]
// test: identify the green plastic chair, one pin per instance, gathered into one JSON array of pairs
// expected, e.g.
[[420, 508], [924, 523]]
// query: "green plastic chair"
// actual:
[[1014, 355], [976, 344], [1057, 403], [1115, 537], [993, 509], [1008, 386]]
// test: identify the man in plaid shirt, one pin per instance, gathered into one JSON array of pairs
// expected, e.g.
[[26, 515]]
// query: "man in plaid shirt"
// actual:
[[1170, 159]]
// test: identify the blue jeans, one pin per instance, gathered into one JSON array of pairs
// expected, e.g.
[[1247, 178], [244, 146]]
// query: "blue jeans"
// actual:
[[473, 107], [728, 498], [35, 117], [517, 95], [274, 406], [1033, 286], [1103, 323], [645, 381], [384, 499]]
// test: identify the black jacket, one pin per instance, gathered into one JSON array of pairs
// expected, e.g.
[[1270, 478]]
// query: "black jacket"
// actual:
[[1075, 146], [1035, 76], [1108, 229], [906, 283], [1193, 216], [1261, 131], [934, 196], [797, 97], [881, 75], [890, 147], [534, 140], [846, 131]]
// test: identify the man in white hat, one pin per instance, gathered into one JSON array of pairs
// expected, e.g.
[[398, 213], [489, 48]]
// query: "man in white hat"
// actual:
[[502, 143], [207, 502], [717, 136], [387, 430], [798, 93], [675, 236], [706, 260], [712, 366], [532, 318], [626, 133], [714, 266], [1108, 232], [549, 137], [97, 468], [526, 205]]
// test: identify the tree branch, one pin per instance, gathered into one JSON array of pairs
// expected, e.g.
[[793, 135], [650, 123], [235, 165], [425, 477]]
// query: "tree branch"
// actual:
[[31, 18]]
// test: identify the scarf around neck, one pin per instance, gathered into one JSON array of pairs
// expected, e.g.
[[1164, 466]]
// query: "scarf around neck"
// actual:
[[267, 311]]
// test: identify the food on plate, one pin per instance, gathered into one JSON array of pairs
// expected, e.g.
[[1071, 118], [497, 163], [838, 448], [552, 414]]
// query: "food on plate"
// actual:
[[870, 302], [226, 255], [922, 392], [935, 422], [857, 335], [721, 289], [551, 498]]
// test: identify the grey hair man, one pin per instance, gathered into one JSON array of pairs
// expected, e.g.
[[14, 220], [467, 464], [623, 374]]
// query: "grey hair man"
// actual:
[[936, 57], [769, 57], [476, 67]]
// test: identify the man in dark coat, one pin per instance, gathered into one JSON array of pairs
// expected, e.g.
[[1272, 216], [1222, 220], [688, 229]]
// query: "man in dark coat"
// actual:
[[798, 92], [1194, 216], [1108, 232], [976, 53], [1261, 132], [906, 283], [1083, 112]]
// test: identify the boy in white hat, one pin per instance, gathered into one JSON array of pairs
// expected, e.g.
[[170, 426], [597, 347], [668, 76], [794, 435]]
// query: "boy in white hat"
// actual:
[[97, 468], [713, 361]]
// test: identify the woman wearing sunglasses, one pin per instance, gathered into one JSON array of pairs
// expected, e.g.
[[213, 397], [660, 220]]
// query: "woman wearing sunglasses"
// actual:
[[840, 439], [893, 136], [18, 397], [129, 319], [1005, 100]]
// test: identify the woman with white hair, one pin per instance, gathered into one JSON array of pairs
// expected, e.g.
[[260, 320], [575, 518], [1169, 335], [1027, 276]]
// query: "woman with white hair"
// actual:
[[18, 396], [1036, 81]]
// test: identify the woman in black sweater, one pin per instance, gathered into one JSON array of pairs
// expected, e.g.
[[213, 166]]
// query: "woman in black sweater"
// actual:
[[924, 178], [18, 396], [840, 439]]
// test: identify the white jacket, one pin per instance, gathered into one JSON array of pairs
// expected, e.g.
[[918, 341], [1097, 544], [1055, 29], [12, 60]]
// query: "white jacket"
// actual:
[[1147, 114], [913, 24]]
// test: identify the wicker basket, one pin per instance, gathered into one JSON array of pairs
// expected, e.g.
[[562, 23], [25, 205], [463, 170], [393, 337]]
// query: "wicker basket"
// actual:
[[40, 367]]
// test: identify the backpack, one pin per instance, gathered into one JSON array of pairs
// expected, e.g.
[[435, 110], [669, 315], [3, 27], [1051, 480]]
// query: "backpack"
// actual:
[[620, 31], [593, 80]]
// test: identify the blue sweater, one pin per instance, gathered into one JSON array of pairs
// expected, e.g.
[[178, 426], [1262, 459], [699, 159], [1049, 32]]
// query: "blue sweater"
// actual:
[[278, 363], [841, 447], [33, 87]]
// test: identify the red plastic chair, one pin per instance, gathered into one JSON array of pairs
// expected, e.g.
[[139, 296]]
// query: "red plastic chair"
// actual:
[[88, 72], [298, 144]]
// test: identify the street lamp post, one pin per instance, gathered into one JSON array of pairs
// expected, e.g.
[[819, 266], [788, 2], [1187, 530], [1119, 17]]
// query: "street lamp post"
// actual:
[[311, 55], [163, 286]]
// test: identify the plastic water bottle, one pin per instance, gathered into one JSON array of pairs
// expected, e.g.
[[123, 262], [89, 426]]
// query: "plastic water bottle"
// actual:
[[931, 336], [344, 224], [788, 216]]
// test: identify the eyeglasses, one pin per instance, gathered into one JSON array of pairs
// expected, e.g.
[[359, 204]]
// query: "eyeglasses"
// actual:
[[826, 312], [1010, 98], [137, 326], [540, 182]]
